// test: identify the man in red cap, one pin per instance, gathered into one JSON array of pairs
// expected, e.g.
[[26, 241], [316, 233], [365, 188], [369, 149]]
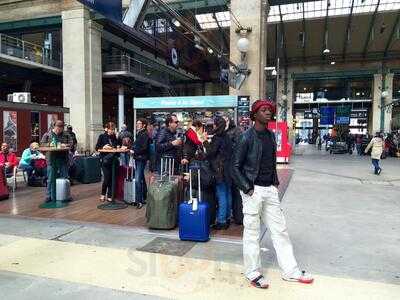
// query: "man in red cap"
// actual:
[[254, 172]]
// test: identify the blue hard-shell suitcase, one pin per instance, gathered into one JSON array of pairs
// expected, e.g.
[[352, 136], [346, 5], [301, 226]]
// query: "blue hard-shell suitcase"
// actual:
[[194, 217]]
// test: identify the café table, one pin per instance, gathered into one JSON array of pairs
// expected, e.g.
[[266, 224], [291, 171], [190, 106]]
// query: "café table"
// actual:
[[113, 205]]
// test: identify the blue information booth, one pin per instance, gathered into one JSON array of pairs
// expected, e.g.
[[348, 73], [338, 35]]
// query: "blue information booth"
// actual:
[[195, 104]]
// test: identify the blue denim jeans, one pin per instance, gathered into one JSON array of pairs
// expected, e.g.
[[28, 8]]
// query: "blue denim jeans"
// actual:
[[27, 168], [224, 196], [62, 172], [140, 181], [375, 163]]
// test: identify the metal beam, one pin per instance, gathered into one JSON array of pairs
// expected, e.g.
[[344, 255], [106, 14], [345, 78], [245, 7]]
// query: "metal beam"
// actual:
[[348, 28], [200, 6], [390, 40], [283, 2], [304, 35], [282, 26], [184, 23], [221, 31], [324, 37], [371, 27]]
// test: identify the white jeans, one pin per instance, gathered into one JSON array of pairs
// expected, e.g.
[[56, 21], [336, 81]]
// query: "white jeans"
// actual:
[[265, 205]]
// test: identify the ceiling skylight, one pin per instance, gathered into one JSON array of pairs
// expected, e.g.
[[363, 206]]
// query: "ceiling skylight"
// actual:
[[207, 21], [317, 9]]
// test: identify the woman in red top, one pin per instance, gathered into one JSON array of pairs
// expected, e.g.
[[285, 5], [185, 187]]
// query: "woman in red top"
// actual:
[[8, 159]]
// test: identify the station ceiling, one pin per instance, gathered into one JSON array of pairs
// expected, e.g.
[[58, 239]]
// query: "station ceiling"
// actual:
[[300, 30]]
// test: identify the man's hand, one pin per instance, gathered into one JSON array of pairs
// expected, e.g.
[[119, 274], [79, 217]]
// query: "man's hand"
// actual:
[[177, 142], [250, 193], [7, 164], [184, 161], [107, 147]]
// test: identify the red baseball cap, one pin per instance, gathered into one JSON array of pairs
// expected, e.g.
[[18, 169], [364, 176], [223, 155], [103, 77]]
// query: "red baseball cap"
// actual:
[[260, 103]]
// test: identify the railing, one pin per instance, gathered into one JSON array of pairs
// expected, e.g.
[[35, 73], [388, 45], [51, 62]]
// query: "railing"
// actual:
[[128, 64], [25, 50]]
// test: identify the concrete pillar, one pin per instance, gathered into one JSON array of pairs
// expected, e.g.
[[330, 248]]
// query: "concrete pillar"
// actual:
[[254, 85], [82, 75], [121, 107], [285, 103], [388, 99], [376, 102]]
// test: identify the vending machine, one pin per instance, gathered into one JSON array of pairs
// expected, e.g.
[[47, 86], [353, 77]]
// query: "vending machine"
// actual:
[[283, 147]]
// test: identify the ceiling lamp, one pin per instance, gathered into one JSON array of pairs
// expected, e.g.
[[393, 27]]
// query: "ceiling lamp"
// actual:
[[243, 44], [327, 51], [333, 62]]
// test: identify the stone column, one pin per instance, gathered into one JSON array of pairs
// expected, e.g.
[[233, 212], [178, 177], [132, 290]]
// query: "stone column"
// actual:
[[285, 106], [376, 103], [251, 13], [121, 107], [388, 99], [82, 75]]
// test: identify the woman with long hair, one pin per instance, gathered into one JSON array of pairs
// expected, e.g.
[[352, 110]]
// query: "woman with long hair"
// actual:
[[107, 140], [218, 152]]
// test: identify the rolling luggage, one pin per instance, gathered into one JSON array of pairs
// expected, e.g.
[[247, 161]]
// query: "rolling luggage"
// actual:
[[88, 169], [129, 187], [194, 216], [63, 189], [161, 209], [4, 193]]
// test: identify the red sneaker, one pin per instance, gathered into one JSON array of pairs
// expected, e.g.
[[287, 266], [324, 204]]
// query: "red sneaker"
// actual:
[[301, 278]]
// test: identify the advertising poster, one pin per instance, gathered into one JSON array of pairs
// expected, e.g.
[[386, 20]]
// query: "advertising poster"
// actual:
[[51, 119], [10, 133]]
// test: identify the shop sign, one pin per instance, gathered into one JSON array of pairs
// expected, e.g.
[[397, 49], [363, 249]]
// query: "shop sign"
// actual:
[[304, 97], [359, 113], [343, 115], [327, 115], [308, 114], [185, 102], [111, 9]]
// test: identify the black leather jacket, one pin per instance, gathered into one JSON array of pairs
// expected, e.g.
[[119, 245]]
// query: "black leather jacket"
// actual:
[[164, 145], [246, 160]]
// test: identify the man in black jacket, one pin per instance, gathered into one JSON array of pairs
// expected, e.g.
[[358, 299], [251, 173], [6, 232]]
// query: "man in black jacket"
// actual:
[[254, 172], [141, 154], [167, 142]]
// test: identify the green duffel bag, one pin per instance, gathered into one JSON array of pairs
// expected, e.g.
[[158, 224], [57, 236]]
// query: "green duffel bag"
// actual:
[[161, 208]]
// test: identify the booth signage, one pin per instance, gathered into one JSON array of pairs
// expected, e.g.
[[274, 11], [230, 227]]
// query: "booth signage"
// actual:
[[359, 113], [304, 97], [185, 102], [343, 115], [327, 115], [110, 9]]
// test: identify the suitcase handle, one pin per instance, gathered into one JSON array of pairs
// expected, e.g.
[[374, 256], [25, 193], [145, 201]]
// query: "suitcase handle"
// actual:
[[167, 166], [192, 200]]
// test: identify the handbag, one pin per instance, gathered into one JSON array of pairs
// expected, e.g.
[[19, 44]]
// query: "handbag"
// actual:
[[207, 174]]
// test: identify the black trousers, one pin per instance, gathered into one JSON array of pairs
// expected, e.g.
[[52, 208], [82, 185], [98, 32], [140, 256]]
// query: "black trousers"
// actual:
[[107, 181]]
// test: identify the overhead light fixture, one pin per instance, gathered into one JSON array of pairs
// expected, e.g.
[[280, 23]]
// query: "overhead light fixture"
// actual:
[[274, 73], [327, 51], [269, 68], [210, 50], [333, 62], [385, 94]]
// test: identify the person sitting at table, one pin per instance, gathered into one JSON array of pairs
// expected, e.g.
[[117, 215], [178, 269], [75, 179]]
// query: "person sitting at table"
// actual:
[[8, 159], [28, 158], [107, 140], [56, 136]]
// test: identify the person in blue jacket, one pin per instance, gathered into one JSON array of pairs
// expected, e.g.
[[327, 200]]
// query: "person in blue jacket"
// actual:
[[28, 157]]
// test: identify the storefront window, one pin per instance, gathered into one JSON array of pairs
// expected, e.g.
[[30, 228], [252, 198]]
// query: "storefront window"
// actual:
[[333, 89], [35, 129], [396, 87]]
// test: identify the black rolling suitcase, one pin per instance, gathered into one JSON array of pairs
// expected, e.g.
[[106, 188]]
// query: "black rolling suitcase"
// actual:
[[87, 169]]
